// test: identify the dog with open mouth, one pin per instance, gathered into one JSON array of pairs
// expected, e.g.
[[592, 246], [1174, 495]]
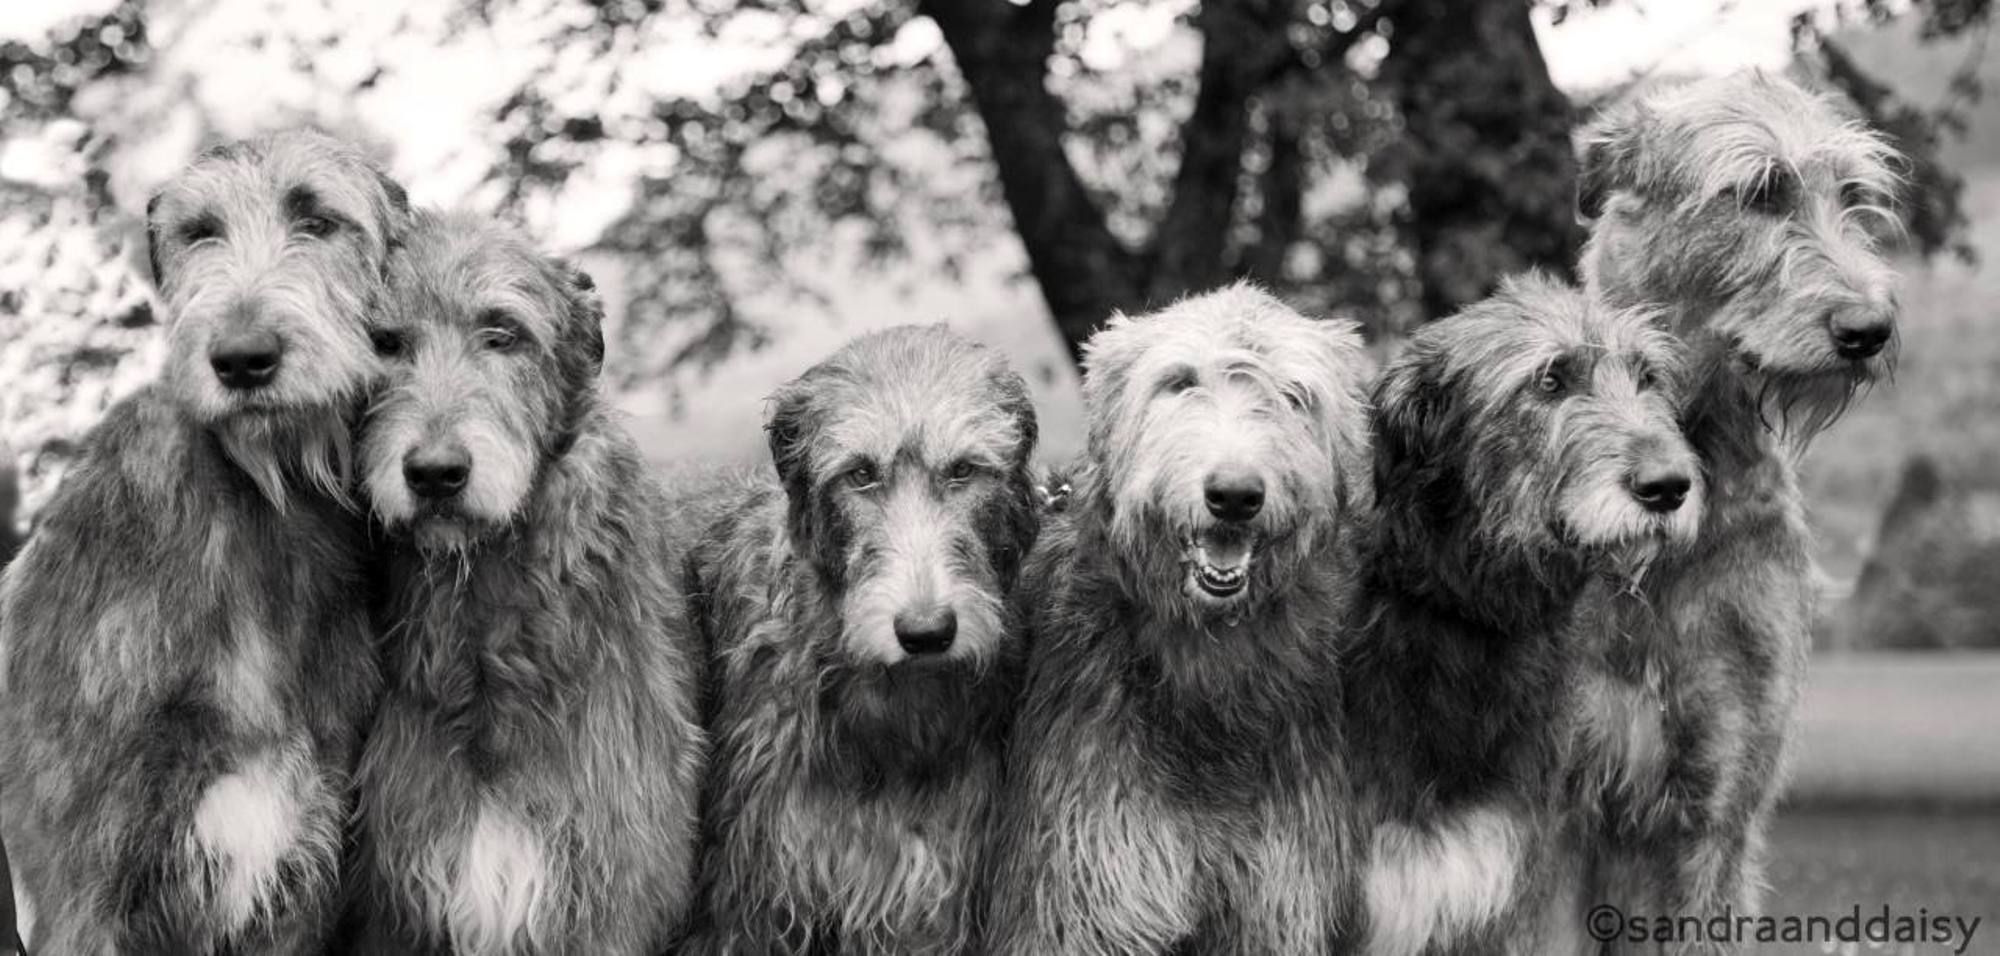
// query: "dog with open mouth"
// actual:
[[1525, 447], [1174, 779]]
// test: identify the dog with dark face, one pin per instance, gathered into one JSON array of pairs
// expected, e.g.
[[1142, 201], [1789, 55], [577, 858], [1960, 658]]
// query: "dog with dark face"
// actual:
[[864, 657], [1740, 209], [531, 780], [185, 657], [1175, 779], [1524, 448]]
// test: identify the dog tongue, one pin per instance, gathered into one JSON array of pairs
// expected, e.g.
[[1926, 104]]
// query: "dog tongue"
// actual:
[[1224, 552]]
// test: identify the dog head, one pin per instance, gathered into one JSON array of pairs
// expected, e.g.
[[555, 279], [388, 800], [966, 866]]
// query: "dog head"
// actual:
[[1227, 445], [493, 351], [1752, 208], [269, 256], [1531, 432], [904, 459]]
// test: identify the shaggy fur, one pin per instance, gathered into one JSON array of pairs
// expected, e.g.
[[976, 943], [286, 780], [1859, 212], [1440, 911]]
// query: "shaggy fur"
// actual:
[[184, 647], [531, 780], [1517, 446], [850, 806], [1736, 205], [1175, 781]]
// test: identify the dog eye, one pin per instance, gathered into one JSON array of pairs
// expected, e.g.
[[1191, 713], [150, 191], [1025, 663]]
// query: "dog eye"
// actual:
[[1179, 382], [498, 339], [1648, 379], [1854, 196], [318, 227], [388, 342], [1771, 195], [961, 472], [861, 476], [203, 228], [1551, 383]]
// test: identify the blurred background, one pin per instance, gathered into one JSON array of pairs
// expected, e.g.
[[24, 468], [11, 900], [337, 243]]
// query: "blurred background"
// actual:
[[754, 182]]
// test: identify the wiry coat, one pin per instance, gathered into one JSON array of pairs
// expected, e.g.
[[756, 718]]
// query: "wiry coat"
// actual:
[[531, 779], [185, 657], [1175, 779], [173, 642], [851, 804], [1495, 512], [1692, 679]]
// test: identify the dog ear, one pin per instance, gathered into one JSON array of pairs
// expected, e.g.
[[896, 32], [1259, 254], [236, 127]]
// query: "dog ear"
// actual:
[[397, 219], [586, 325], [786, 429], [1606, 152], [153, 240], [1416, 438]]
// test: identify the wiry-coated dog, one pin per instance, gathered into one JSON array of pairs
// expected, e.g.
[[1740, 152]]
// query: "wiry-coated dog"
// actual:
[[187, 658], [1524, 447], [1741, 207], [865, 662], [1175, 777], [531, 780]]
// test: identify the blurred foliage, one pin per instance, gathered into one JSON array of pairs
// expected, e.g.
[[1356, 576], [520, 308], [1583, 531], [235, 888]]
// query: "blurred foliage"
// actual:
[[1384, 159]]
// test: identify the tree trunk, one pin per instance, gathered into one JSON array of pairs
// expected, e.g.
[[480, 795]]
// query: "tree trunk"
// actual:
[[1242, 44], [1003, 50], [1485, 152]]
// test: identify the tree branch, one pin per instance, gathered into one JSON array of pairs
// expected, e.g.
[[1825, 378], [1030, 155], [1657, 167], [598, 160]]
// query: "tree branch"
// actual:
[[1003, 50], [1243, 44]]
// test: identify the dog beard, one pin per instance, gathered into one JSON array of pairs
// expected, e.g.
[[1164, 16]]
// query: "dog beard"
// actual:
[[916, 720]]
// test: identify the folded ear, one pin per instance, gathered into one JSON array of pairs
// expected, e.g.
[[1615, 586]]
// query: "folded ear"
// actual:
[[1418, 431], [153, 240], [787, 431], [396, 217], [585, 331], [1607, 151]]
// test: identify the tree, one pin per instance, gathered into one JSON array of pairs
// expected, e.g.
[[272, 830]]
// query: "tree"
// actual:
[[730, 163]]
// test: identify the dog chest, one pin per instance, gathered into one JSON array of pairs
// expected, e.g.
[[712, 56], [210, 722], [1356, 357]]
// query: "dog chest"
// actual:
[[1624, 723], [490, 888]]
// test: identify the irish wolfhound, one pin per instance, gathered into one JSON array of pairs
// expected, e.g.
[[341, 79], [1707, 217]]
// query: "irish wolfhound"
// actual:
[[187, 654], [1523, 447], [531, 779], [1737, 205], [1175, 780], [865, 662]]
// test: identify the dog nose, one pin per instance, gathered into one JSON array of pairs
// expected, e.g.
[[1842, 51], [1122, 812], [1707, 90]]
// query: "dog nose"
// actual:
[[1234, 494], [1860, 333], [437, 471], [926, 631], [246, 359], [1660, 487]]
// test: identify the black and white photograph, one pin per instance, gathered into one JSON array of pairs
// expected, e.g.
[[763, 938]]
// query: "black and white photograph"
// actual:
[[999, 477]]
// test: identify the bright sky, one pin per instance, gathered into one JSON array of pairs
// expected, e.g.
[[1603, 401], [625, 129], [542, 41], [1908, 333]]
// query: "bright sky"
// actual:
[[1597, 48], [1592, 49]]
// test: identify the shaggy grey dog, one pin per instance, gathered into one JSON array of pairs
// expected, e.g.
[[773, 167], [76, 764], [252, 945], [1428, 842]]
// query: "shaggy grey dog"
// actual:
[[1740, 207], [865, 661], [185, 660], [531, 780], [1524, 448], [1175, 781]]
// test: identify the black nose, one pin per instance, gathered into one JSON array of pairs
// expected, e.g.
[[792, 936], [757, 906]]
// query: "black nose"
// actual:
[[1234, 494], [247, 359], [926, 631], [1660, 487], [1860, 333], [437, 471]]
